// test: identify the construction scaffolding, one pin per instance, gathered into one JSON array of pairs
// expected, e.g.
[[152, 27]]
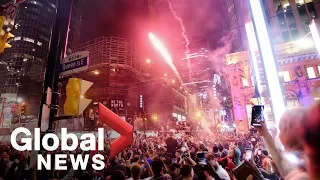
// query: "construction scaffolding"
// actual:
[[113, 51]]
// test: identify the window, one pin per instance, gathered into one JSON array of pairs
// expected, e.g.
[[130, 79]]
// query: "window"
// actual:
[[285, 76], [286, 36], [28, 39], [141, 101], [245, 82], [175, 115], [52, 5], [295, 34], [311, 73]]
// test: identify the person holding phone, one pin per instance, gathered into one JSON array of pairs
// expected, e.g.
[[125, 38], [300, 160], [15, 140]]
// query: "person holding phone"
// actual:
[[248, 155], [257, 115], [289, 125]]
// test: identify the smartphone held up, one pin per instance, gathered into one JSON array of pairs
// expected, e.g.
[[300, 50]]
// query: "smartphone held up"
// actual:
[[248, 155], [257, 115]]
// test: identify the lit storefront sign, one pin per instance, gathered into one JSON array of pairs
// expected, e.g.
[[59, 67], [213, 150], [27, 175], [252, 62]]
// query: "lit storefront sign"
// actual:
[[117, 104], [141, 102]]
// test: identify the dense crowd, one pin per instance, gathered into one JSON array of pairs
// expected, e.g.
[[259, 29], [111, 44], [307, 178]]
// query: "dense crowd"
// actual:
[[206, 155]]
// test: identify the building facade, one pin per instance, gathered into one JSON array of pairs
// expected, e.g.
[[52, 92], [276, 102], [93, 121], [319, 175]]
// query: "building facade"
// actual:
[[299, 71], [115, 68], [28, 55], [122, 76], [163, 102], [289, 20]]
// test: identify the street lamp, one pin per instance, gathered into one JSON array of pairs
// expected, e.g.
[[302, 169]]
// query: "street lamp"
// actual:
[[96, 72], [155, 117], [198, 114], [268, 59]]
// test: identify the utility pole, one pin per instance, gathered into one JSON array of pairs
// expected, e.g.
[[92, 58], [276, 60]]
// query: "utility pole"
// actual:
[[58, 45]]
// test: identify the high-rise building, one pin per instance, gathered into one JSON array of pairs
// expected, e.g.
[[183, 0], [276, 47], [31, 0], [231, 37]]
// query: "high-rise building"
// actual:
[[289, 19], [236, 23], [295, 54], [194, 65], [30, 46]]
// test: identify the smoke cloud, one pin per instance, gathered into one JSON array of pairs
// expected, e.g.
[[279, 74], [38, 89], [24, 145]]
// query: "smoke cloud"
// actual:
[[224, 47]]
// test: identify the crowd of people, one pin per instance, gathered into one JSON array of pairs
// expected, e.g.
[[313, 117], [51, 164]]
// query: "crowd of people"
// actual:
[[208, 155]]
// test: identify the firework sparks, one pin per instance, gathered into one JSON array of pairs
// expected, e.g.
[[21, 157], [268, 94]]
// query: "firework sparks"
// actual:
[[184, 35], [164, 52]]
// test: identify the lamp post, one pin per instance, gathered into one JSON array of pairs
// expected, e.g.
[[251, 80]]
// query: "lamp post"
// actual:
[[268, 59], [57, 51]]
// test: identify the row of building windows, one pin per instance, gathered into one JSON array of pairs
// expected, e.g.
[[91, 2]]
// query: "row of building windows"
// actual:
[[311, 74], [41, 5], [306, 11], [285, 76], [28, 40], [179, 116]]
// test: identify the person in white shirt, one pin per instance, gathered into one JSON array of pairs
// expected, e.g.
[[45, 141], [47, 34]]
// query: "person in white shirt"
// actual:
[[222, 173]]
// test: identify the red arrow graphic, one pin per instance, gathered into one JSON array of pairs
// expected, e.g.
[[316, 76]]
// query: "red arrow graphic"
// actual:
[[119, 125]]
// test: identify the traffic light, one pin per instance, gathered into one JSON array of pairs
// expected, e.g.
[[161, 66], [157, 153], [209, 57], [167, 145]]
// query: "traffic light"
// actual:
[[3, 41], [4, 36], [91, 114], [22, 108], [198, 114], [2, 21], [154, 117], [75, 102]]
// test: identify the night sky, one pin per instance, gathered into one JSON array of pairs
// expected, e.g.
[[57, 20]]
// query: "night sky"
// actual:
[[131, 19]]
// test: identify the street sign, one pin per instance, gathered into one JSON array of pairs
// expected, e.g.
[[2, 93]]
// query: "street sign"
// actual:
[[74, 63]]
